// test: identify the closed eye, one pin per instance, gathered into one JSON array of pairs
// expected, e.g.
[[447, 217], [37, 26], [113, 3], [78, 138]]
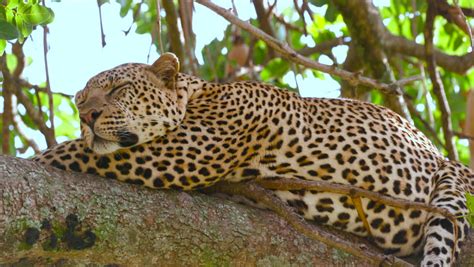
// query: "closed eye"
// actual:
[[117, 88]]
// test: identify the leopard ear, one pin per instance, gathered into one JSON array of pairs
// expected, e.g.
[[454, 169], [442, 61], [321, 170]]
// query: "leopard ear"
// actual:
[[166, 68]]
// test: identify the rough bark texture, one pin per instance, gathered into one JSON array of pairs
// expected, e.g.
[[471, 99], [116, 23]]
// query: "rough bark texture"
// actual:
[[50, 216], [366, 28]]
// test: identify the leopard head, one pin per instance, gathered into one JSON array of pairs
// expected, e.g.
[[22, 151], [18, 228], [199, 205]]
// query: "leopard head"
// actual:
[[129, 105]]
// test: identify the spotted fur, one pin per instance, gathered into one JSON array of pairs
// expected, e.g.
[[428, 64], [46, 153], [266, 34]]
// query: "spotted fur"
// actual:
[[153, 126]]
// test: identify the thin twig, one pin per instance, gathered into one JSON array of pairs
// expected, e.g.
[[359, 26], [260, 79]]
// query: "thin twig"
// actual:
[[102, 35], [263, 22], [353, 191], [464, 136], [438, 88], [255, 191], [426, 94], [46, 69], [426, 124], [287, 25], [408, 80], [35, 114], [158, 27], [29, 142], [286, 51], [24, 83], [301, 12]]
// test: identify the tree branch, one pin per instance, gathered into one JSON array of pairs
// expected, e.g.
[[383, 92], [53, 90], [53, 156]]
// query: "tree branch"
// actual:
[[289, 26], [264, 22], [29, 142], [186, 18], [254, 190], [173, 31], [158, 27], [12, 81], [438, 88], [401, 45], [286, 51], [397, 44], [453, 14], [102, 35], [324, 46], [49, 213], [363, 22], [7, 106]]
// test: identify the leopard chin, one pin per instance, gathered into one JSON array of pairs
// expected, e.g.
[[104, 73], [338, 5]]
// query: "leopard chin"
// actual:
[[103, 146]]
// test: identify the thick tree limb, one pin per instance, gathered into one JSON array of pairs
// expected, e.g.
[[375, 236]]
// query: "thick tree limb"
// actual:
[[117, 223], [47, 215], [363, 22]]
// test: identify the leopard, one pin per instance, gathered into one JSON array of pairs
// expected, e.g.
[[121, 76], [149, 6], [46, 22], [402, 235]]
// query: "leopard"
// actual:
[[152, 125]]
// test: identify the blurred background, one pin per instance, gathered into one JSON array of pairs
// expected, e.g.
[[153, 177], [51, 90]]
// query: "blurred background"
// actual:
[[381, 39]]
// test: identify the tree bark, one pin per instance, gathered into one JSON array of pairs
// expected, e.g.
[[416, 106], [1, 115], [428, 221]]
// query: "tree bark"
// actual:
[[49, 216], [176, 46], [365, 26]]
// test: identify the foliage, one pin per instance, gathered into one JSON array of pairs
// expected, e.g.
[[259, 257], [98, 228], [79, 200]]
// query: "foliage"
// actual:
[[18, 19], [470, 206]]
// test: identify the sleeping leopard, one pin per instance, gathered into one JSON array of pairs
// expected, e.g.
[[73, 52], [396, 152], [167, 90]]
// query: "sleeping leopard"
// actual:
[[153, 126]]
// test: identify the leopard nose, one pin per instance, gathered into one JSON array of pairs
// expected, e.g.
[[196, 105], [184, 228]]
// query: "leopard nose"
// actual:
[[90, 116]]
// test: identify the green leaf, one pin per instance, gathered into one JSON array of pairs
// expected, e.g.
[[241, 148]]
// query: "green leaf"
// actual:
[[101, 2], [458, 41], [8, 31], [331, 13], [276, 68], [28, 121], [470, 207], [12, 61], [3, 14], [3, 44], [13, 3], [318, 3], [9, 15], [12, 143], [38, 14], [126, 6], [24, 27]]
